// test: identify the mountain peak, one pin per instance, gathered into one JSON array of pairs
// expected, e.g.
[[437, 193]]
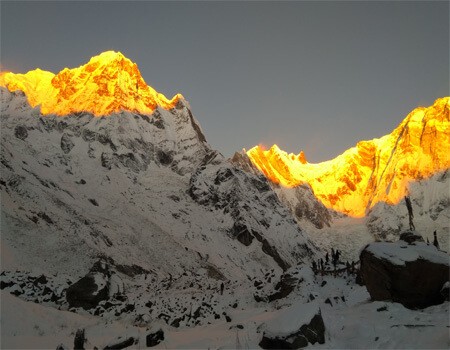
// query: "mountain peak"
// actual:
[[108, 83], [373, 171]]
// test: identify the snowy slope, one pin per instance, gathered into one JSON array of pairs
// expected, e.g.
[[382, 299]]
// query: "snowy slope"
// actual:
[[430, 199], [146, 195]]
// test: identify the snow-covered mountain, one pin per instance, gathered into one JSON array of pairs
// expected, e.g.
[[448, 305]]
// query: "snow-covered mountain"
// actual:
[[135, 188], [373, 171], [146, 197], [114, 207]]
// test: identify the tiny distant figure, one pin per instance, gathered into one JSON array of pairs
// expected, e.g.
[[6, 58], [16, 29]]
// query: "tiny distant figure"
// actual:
[[435, 241], [314, 266], [410, 213], [321, 265], [337, 255], [221, 288], [327, 258]]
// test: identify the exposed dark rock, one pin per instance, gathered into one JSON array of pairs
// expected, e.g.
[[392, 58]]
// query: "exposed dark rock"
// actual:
[[154, 339], [314, 332], [46, 218], [85, 292], [271, 251], [121, 344], [164, 158], [88, 135], [78, 343], [107, 160], [413, 282], [411, 236], [93, 201], [130, 161], [21, 132], [4, 284], [131, 270], [284, 287], [309, 208], [66, 143], [196, 127], [40, 280], [445, 291], [242, 234]]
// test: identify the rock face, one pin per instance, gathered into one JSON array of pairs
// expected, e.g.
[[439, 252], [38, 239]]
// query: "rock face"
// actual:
[[373, 171], [305, 326], [154, 339], [411, 274], [91, 289], [108, 83]]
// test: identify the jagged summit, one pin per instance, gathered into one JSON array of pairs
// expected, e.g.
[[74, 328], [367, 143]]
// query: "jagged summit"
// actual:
[[373, 171], [108, 83]]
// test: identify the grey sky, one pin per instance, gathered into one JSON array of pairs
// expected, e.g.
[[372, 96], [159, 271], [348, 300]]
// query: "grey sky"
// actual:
[[317, 76]]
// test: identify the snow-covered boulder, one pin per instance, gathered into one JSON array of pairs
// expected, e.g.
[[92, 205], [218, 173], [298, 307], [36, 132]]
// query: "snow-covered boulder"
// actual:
[[411, 274], [294, 328]]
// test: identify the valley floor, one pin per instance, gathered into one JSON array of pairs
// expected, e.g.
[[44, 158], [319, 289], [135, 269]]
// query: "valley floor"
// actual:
[[351, 321]]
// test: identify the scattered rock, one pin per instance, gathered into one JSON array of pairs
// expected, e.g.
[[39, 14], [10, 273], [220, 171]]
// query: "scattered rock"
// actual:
[[66, 143], [121, 344], [154, 339], [284, 287], [40, 280], [93, 201], [21, 132], [411, 237]]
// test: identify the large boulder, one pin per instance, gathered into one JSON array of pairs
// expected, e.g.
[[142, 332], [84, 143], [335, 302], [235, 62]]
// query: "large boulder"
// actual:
[[408, 273], [91, 289], [294, 328]]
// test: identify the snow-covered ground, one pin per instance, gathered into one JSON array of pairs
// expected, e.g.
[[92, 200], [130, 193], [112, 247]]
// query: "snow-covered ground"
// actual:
[[351, 322]]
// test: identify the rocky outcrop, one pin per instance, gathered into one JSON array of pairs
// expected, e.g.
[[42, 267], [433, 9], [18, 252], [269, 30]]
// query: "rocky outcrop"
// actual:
[[21, 132], [305, 327], [409, 273], [91, 289], [248, 200], [66, 143], [154, 339]]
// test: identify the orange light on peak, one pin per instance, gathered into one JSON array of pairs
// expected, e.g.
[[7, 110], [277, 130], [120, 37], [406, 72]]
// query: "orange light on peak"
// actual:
[[108, 83], [372, 171]]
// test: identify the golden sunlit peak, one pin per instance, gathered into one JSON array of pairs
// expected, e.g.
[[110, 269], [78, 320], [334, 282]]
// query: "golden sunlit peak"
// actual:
[[373, 171], [108, 83]]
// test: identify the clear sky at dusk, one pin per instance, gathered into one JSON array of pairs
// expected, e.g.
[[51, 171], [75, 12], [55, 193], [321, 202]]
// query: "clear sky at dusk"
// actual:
[[312, 76]]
